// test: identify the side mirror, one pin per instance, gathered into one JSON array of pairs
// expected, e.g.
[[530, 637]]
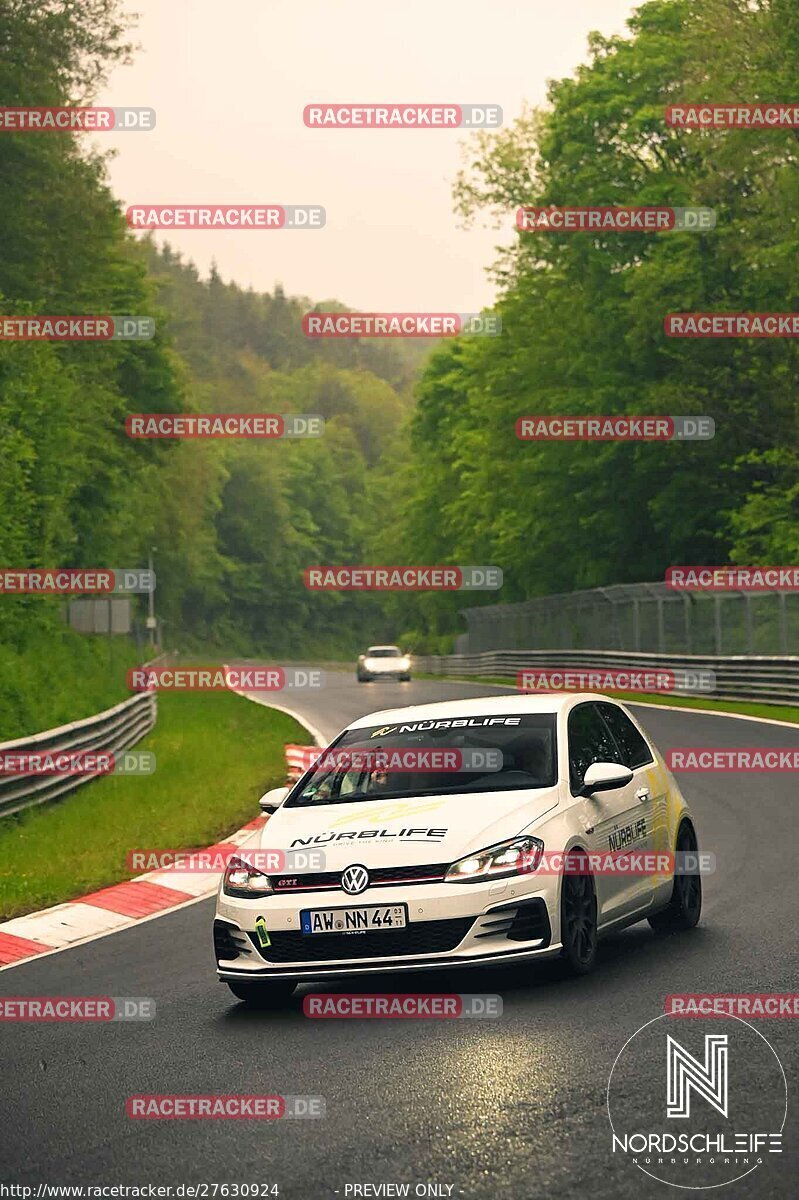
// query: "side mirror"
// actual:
[[605, 777], [271, 801]]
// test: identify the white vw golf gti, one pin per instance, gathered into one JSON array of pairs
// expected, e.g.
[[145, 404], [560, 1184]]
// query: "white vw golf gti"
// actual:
[[433, 836]]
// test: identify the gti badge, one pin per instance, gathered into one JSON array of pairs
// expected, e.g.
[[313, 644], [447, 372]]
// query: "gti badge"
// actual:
[[355, 879]]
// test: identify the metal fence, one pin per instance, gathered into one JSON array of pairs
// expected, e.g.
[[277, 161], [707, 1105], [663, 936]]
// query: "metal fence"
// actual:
[[114, 730], [774, 680], [640, 617]]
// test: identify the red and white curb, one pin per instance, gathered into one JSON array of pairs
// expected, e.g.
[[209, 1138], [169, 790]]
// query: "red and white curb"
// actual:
[[115, 907], [124, 904]]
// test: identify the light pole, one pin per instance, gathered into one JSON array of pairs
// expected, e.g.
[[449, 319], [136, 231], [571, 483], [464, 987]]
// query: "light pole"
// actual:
[[151, 622]]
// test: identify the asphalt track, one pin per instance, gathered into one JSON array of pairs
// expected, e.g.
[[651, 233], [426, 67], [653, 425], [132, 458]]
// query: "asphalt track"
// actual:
[[506, 1109]]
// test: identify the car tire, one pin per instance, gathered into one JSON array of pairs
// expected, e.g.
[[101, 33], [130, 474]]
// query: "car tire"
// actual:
[[361, 678], [267, 995], [405, 678], [685, 906], [578, 922]]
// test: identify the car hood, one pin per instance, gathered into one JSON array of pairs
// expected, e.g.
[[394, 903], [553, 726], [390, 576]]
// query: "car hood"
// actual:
[[410, 831]]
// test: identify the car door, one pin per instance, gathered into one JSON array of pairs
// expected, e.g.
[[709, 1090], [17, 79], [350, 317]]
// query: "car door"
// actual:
[[651, 788], [611, 820]]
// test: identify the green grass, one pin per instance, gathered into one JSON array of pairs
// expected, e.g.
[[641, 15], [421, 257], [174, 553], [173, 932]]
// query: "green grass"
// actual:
[[59, 676], [216, 753], [748, 708]]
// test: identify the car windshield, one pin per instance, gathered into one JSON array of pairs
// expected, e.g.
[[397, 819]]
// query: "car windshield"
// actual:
[[384, 652], [446, 756]]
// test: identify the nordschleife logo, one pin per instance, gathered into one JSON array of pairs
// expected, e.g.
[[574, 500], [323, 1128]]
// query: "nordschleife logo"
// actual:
[[697, 1103], [685, 1073]]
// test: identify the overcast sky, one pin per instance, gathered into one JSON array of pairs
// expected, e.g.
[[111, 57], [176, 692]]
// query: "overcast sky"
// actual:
[[229, 81]]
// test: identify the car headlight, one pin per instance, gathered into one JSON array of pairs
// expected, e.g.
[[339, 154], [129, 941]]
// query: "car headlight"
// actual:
[[404, 664], [242, 879], [518, 856]]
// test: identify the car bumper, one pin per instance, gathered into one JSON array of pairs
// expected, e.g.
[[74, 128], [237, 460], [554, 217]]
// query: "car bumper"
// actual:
[[461, 925], [371, 674]]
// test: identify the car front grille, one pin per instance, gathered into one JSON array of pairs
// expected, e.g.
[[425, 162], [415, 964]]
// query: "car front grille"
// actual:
[[325, 881], [419, 937]]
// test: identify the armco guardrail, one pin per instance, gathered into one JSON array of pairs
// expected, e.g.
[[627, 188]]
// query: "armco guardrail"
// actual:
[[116, 729], [739, 677]]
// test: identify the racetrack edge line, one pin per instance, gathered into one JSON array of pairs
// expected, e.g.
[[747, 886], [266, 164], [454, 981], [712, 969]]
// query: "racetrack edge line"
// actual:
[[93, 937]]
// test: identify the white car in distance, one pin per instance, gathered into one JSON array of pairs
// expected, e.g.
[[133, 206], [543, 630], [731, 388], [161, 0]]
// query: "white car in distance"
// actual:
[[383, 662]]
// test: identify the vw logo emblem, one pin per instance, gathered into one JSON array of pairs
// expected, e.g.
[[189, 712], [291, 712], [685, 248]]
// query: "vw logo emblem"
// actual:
[[355, 879]]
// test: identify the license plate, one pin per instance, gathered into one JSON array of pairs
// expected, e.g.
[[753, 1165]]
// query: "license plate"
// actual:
[[353, 920]]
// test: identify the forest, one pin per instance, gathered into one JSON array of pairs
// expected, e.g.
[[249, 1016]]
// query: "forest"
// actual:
[[419, 462]]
